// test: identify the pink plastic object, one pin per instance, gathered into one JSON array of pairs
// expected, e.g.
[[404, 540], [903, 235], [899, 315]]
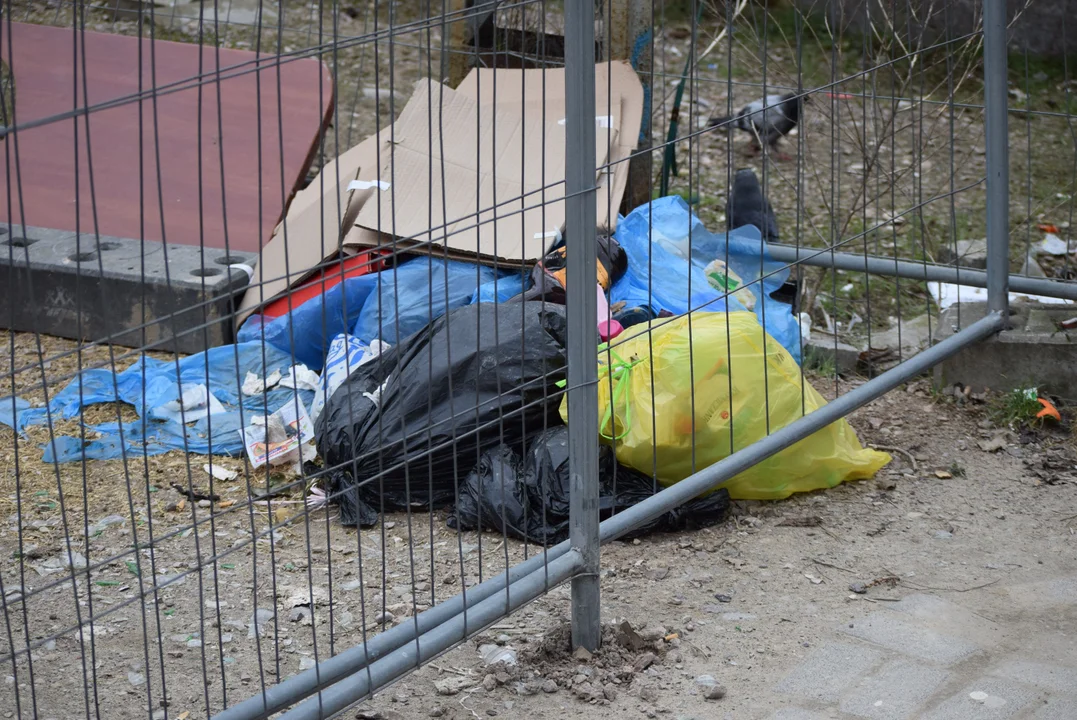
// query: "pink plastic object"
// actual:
[[609, 329], [603, 306]]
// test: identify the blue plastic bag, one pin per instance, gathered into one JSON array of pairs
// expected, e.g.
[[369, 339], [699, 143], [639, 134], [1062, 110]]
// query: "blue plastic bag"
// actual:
[[502, 288], [409, 296], [310, 327], [668, 250]]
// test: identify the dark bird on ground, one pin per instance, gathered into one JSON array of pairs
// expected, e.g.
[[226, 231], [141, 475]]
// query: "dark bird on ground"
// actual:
[[747, 206], [769, 119]]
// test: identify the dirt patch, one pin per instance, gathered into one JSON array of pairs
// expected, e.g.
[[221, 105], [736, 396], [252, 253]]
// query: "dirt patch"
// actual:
[[618, 666], [214, 585]]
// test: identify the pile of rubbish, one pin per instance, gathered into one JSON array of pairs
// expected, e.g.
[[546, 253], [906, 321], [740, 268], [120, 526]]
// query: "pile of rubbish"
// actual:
[[421, 354]]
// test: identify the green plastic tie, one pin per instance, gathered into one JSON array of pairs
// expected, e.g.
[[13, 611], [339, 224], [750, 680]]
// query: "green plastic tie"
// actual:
[[620, 370]]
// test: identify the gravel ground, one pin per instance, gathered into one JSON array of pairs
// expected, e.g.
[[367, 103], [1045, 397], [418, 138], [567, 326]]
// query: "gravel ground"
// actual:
[[739, 602]]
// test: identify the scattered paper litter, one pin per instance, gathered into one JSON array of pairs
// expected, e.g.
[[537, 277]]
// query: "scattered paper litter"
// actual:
[[946, 294], [277, 438], [375, 397], [300, 377], [1053, 245], [255, 385], [195, 403], [219, 472]]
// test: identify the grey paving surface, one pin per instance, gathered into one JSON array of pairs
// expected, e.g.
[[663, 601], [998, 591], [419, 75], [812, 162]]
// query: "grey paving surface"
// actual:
[[1051, 677], [995, 699], [1057, 707], [796, 714], [895, 692], [844, 662], [930, 658], [886, 629]]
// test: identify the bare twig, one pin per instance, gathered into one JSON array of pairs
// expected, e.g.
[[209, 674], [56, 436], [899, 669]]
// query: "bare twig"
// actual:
[[906, 453], [695, 647], [455, 671], [946, 589], [831, 565]]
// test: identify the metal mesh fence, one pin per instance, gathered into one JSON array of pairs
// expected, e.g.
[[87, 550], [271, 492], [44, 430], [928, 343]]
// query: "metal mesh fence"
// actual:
[[300, 299]]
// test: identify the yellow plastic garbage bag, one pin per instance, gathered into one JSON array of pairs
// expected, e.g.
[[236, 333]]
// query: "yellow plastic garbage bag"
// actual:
[[713, 391]]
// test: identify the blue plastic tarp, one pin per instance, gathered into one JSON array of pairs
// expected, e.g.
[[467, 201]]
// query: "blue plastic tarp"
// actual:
[[147, 385], [10, 408], [388, 306], [668, 249]]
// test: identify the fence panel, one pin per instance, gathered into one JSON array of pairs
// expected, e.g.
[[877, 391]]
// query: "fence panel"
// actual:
[[299, 302]]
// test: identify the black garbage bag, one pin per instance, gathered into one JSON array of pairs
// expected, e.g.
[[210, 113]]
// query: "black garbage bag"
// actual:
[[404, 428], [527, 497]]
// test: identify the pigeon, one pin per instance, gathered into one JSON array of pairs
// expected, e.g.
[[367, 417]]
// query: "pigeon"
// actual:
[[769, 119], [747, 206]]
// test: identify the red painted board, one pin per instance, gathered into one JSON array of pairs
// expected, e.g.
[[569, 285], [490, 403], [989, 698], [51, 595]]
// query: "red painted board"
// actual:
[[43, 62]]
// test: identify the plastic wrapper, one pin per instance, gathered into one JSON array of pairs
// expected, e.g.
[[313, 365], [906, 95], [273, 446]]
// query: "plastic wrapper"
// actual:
[[346, 353], [207, 385]]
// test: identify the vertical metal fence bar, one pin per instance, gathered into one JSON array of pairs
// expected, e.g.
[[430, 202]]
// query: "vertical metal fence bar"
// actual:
[[582, 311], [997, 148]]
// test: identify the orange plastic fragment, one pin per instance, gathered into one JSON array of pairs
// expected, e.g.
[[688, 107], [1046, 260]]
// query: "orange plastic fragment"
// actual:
[[1048, 410]]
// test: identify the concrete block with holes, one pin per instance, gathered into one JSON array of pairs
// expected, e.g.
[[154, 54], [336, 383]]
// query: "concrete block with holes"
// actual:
[[139, 295], [1039, 349]]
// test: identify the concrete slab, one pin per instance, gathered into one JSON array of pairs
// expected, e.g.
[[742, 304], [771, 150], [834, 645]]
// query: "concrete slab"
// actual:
[[967, 253], [163, 297], [821, 350], [883, 628], [986, 699], [797, 714], [1050, 677], [910, 335], [948, 617], [1034, 352], [896, 692], [905, 339], [829, 671], [1057, 707]]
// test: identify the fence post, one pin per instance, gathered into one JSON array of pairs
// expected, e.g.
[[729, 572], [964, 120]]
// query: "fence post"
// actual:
[[998, 158], [582, 308]]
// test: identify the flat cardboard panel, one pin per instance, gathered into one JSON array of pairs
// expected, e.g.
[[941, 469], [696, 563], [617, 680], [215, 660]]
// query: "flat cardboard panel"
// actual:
[[618, 93], [432, 120], [477, 159], [286, 262]]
